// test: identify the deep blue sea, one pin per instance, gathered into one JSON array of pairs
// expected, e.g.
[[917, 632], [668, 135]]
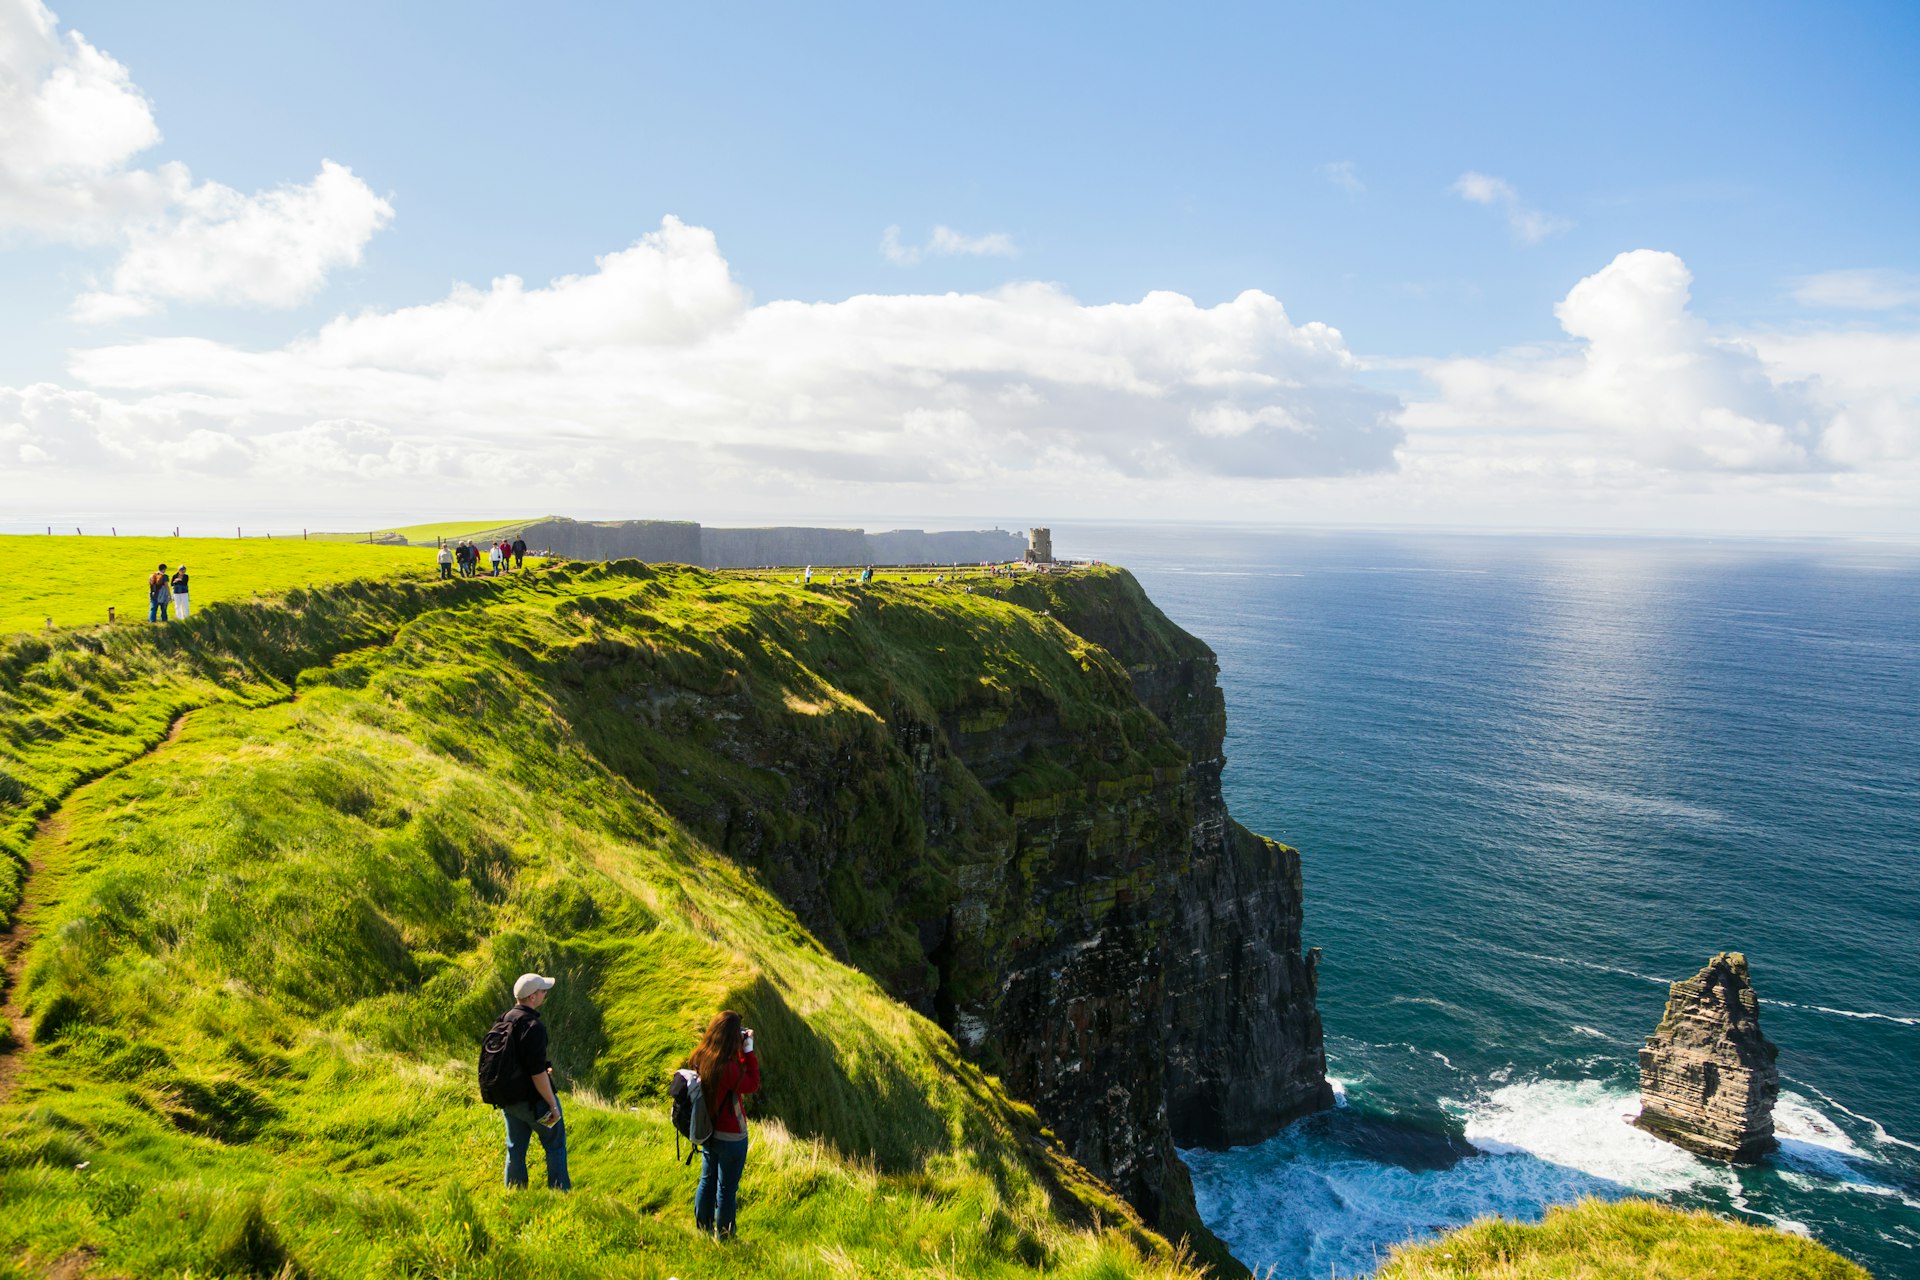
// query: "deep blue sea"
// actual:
[[1534, 780]]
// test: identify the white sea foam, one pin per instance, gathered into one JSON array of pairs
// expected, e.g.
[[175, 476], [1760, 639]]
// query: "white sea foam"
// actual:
[[1583, 1125], [1591, 1031], [1879, 1136], [1899, 1019], [1315, 1200]]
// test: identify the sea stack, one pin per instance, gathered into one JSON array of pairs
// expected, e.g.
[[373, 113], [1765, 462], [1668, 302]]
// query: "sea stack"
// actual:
[[1707, 1076]]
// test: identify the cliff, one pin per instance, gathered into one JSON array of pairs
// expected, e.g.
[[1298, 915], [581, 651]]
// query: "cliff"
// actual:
[[678, 791], [1027, 842], [685, 542], [1707, 1076]]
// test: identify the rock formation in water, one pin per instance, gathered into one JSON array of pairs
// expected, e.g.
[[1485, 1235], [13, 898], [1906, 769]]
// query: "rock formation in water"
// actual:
[[1707, 1076]]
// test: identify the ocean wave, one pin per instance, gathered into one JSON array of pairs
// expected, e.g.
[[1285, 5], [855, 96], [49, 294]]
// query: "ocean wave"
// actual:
[[1901, 1019], [1333, 1193], [1879, 1132], [1583, 1125]]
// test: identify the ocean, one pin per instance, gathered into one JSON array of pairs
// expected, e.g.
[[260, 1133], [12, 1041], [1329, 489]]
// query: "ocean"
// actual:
[[1534, 780]]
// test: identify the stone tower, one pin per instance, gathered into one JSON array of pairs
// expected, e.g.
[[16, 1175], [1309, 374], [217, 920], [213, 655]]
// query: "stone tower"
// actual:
[[1039, 546], [1707, 1076]]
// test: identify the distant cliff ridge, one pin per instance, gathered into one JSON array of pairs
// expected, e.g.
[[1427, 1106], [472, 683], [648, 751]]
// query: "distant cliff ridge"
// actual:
[[686, 542]]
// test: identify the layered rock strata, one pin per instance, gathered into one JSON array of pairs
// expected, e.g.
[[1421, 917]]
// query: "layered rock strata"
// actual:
[[1707, 1076]]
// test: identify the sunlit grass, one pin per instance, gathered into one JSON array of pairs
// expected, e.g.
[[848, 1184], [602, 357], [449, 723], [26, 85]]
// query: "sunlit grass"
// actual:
[[1620, 1240], [76, 580], [267, 947]]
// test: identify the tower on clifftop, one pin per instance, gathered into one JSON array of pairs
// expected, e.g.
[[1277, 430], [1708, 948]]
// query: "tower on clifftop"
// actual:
[[1039, 546]]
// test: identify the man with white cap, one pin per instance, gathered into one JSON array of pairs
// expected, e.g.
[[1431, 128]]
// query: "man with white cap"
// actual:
[[524, 1088]]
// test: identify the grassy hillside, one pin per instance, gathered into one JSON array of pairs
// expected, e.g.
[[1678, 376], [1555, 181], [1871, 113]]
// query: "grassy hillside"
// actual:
[[272, 870], [263, 946], [74, 580], [1624, 1240]]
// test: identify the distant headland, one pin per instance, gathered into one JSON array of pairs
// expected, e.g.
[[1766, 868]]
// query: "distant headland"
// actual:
[[689, 542]]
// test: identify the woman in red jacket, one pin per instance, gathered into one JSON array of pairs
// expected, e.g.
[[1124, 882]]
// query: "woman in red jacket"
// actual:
[[729, 1070]]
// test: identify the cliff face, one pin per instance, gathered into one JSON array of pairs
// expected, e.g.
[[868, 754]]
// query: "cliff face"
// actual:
[[1020, 832], [1707, 1076], [685, 542]]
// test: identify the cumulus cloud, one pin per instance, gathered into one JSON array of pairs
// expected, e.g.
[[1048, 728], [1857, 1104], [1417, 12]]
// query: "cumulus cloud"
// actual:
[[70, 120], [1529, 225], [945, 242], [273, 249], [71, 124], [1646, 384], [1859, 290], [659, 364]]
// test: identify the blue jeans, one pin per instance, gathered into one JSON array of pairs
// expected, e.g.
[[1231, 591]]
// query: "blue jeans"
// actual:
[[520, 1127], [721, 1164], [157, 608]]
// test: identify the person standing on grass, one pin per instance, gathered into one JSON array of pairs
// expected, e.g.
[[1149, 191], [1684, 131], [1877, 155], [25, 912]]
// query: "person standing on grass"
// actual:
[[519, 552], [157, 593], [493, 559], [180, 593], [536, 1111], [729, 1070], [446, 562]]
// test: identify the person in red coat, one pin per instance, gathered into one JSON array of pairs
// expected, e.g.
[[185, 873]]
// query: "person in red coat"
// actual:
[[729, 1071]]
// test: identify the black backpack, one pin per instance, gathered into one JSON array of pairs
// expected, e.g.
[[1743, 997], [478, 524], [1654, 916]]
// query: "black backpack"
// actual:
[[503, 1079]]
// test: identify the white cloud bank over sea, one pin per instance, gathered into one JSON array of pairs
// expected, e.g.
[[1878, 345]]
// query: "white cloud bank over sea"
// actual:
[[655, 383]]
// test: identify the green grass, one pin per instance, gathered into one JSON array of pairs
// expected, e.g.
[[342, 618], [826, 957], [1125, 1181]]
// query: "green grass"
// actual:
[[430, 535], [267, 946], [1620, 1240], [75, 580]]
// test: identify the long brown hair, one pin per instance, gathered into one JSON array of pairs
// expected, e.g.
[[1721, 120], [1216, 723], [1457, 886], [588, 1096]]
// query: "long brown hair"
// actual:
[[717, 1048]]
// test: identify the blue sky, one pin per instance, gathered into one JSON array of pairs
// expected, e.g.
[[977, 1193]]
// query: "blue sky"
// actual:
[[1323, 156]]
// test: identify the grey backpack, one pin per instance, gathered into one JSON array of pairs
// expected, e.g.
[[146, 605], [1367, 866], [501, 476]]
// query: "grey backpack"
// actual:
[[691, 1119]]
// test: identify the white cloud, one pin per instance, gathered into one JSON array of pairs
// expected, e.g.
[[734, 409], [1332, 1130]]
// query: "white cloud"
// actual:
[[1529, 225], [71, 123], [70, 120], [657, 373], [1859, 290], [945, 242], [1344, 175], [1648, 387], [273, 249]]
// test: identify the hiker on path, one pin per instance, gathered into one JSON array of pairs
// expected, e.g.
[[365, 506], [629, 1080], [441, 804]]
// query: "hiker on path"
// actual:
[[157, 592], [519, 552], [729, 1070], [494, 559], [180, 593], [446, 562], [516, 1076]]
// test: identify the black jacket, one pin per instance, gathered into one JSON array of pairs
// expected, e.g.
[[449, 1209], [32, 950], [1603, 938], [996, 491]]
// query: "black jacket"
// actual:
[[529, 1046]]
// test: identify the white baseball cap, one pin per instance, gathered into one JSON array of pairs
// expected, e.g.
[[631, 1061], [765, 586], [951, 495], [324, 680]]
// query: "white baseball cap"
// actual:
[[528, 983]]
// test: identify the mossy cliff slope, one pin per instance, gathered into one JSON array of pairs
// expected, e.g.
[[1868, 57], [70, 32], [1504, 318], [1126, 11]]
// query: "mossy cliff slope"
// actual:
[[1012, 818], [260, 939]]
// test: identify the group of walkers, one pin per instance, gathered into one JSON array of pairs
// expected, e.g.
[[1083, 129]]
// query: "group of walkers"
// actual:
[[500, 556], [163, 590], [517, 1077]]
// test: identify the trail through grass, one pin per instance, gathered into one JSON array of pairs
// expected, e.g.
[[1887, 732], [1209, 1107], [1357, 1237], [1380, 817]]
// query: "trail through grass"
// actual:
[[75, 580]]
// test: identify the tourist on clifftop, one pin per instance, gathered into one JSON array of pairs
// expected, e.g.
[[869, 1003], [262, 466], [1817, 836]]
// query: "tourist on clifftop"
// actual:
[[729, 1070], [516, 1077]]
